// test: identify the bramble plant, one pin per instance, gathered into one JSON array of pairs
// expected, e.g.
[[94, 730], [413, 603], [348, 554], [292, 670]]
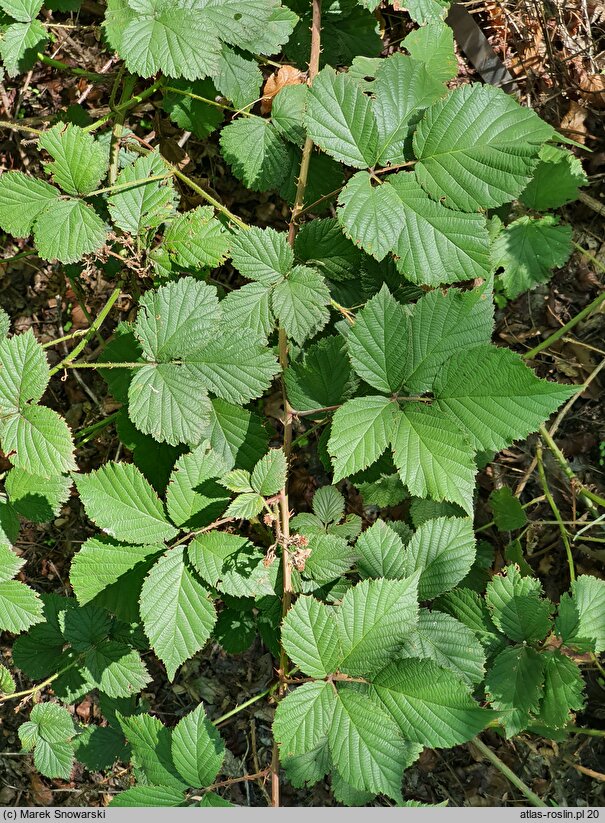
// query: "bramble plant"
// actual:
[[390, 637]]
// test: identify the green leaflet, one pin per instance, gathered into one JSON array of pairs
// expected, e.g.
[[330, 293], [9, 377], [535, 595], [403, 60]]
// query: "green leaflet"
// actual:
[[527, 250], [517, 606], [486, 164], [177, 614]]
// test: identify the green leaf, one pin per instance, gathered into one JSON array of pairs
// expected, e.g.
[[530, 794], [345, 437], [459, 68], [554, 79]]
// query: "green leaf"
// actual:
[[330, 558], [48, 722], [366, 746], [589, 599], [10, 563], [232, 564], [328, 504], [249, 308], [441, 325], [169, 402], [177, 613], [443, 551], [427, 11], [269, 475], [483, 158], [100, 562], [431, 705], [436, 244], [514, 686], [361, 430], [36, 498], [348, 795], [299, 303], [239, 78], [256, 152], [67, 230], [246, 24], [235, 367], [262, 254], [22, 200], [235, 630], [370, 216], [196, 239], [449, 643], [310, 636], [507, 510], [517, 607], [528, 250], [380, 552], [20, 45], [21, 10], [340, 120], [302, 719], [7, 682], [322, 245], [245, 506], [377, 340], [373, 621], [494, 396], [24, 372], [555, 181], [148, 796], [54, 759], [563, 690], [189, 112], [236, 434], [122, 503], [287, 112], [194, 498], [324, 178], [79, 161], [433, 457], [173, 38], [20, 607], [404, 87], [151, 746], [434, 45], [322, 378], [116, 669], [40, 441], [197, 748], [144, 205]]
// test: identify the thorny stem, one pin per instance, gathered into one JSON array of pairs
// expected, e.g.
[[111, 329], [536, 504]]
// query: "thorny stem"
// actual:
[[556, 512], [68, 361], [134, 184], [509, 773], [7, 124], [283, 526]]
